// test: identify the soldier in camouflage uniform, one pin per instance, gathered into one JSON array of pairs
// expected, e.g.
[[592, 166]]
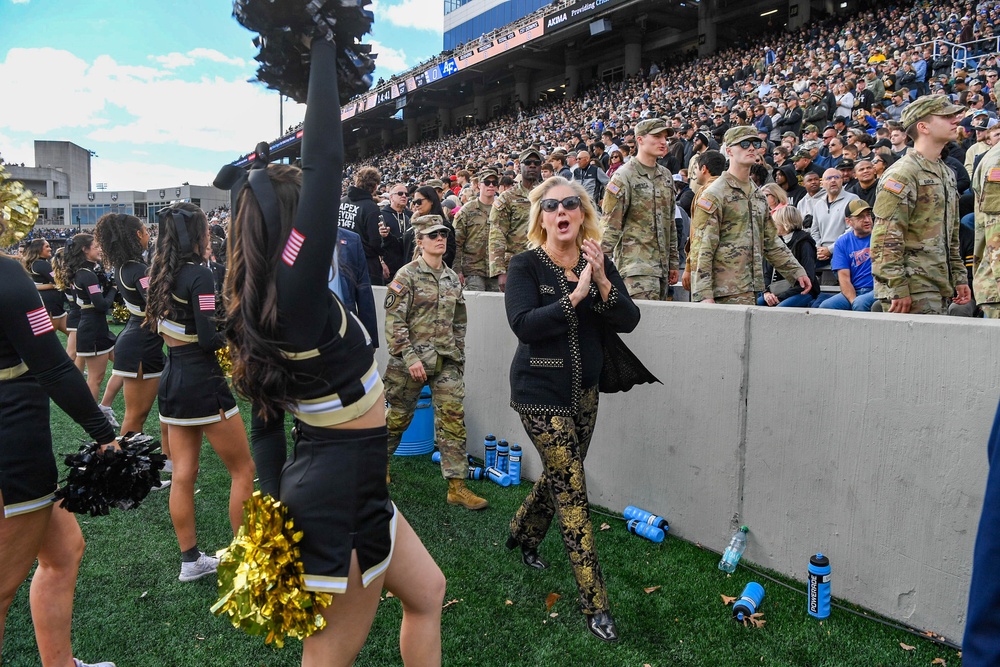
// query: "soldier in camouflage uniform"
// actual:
[[916, 263], [425, 325], [638, 221], [986, 255], [472, 230], [736, 233], [509, 217]]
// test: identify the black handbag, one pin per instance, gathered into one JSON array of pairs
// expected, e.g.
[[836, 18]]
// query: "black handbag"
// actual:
[[621, 370]]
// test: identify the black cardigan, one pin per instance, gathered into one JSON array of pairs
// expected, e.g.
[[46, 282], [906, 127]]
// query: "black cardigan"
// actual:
[[559, 350]]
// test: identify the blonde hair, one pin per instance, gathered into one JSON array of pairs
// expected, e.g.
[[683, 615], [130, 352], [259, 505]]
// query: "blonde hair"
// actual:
[[776, 191], [590, 229], [787, 217]]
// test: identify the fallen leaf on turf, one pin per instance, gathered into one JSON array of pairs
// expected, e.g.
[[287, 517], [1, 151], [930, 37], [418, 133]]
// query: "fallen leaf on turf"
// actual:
[[553, 614], [650, 589], [726, 600], [551, 600], [757, 620], [907, 647], [388, 594], [605, 526], [508, 602], [449, 603], [144, 594], [939, 661]]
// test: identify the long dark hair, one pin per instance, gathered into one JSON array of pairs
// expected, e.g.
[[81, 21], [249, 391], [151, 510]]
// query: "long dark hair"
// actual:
[[430, 194], [31, 252], [118, 235], [259, 372], [174, 248], [73, 259]]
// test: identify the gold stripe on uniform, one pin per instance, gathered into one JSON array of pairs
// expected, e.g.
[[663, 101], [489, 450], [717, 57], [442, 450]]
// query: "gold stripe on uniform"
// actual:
[[13, 371]]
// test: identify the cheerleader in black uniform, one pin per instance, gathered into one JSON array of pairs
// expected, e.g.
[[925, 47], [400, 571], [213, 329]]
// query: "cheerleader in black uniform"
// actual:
[[33, 369], [36, 259], [64, 283], [139, 355], [194, 399], [294, 347]]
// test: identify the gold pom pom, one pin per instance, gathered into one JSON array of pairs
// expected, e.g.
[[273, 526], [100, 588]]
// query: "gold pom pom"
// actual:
[[18, 210], [260, 577], [119, 312], [225, 362]]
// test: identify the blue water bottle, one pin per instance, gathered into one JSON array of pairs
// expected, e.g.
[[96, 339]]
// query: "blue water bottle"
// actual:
[[436, 457], [490, 445], [749, 601], [503, 454], [514, 467], [475, 472], [642, 516], [651, 533], [819, 586], [498, 476]]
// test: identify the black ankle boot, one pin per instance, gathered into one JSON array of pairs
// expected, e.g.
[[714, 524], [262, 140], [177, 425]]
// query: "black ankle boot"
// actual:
[[602, 626], [529, 557]]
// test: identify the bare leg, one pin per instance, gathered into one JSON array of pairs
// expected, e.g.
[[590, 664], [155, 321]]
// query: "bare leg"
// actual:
[[348, 621], [416, 580], [20, 539], [229, 440], [71, 349], [111, 389], [96, 368], [53, 587], [139, 397], [59, 324], [185, 447]]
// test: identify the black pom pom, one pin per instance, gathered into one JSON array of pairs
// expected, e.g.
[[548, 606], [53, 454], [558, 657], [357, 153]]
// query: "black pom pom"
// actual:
[[284, 59], [99, 480]]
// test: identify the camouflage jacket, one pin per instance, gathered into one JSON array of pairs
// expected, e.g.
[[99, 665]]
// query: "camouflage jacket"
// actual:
[[735, 234], [508, 227], [915, 237], [986, 256], [638, 220], [472, 231], [425, 315]]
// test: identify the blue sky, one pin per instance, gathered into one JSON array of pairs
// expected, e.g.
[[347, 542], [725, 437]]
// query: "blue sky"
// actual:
[[159, 90]]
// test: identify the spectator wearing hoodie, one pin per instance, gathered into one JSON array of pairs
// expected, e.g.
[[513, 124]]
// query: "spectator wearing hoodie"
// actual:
[[360, 214], [786, 177]]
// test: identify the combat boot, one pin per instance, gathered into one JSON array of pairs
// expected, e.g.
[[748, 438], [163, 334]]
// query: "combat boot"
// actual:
[[459, 494]]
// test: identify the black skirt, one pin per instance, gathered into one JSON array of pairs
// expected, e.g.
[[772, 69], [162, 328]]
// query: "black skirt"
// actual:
[[28, 473], [54, 301], [334, 488], [72, 317], [193, 391], [138, 348], [93, 337]]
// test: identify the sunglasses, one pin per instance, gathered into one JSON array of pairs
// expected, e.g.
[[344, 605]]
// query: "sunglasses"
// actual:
[[747, 143], [443, 233], [532, 163], [491, 182], [569, 203], [417, 201], [400, 194]]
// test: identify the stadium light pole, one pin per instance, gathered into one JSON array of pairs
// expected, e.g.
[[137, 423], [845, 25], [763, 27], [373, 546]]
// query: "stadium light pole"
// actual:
[[281, 115]]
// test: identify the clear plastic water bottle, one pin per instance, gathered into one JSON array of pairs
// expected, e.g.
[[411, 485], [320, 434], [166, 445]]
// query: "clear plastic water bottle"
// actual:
[[650, 532], [490, 445], [503, 454], [514, 467], [737, 545]]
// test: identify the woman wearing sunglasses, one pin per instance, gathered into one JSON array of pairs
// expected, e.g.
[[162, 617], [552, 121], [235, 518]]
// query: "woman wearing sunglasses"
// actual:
[[425, 324], [561, 294], [425, 201]]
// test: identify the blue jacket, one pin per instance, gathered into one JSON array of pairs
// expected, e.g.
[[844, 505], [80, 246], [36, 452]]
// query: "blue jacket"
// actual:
[[355, 286]]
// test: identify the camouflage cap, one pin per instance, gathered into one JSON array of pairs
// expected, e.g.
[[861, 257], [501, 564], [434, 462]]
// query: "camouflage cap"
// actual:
[[929, 105], [651, 126], [801, 154], [436, 183], [810, 128], [486, 173], [427, 223], [856, 207], [528, 153], [737, 134]]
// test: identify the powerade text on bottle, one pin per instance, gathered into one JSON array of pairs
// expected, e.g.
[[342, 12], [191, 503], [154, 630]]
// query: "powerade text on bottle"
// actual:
[[498, 476], [651, 533], [642, 516], [749, 601], [514, 467], [736, 547], [490, 457], [503, 453], [475, 472], [819, 586]]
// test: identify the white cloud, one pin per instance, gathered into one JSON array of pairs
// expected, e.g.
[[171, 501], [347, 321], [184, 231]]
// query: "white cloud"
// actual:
[[417, 14], [393, 60], [146, 175], [20, 2], [215, 56], [175, 60]]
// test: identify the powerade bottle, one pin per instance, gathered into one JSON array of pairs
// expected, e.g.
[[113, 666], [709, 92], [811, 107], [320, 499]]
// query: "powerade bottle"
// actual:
[[651, 533], [490, 445], [475, 472], [514, 468], [642, 516], [819, 586], [436, 457], [498, 476], [503, 453], [736, 547], [749, 601]]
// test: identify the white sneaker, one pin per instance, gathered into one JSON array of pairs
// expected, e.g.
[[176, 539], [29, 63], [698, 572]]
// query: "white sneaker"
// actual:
[[204, 566], [80, 663], [168, 468], [110, 414]]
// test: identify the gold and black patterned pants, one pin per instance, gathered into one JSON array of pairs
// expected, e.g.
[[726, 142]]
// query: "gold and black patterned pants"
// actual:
[[561, 491]]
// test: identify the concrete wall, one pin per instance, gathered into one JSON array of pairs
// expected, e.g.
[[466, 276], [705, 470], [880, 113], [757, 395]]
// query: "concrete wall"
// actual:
[[862, 436]]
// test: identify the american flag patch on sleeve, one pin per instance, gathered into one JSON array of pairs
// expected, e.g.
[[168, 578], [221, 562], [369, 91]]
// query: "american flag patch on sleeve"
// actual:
[[994, 175], [893, 186], [706, 205], [144, 282], [94, 289], [613, 188], [39, 322], [292, 248], [396, 286], [206, 301]]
